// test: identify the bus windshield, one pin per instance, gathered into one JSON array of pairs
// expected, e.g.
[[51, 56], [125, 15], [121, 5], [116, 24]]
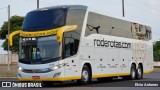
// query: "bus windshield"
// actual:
[[44, 20], [39, 49]]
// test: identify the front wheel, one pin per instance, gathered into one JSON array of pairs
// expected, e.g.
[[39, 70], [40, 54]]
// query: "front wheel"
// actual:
[[85, 75]]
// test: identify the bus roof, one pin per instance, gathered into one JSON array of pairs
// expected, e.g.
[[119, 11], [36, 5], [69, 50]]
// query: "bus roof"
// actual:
[[63, 6]]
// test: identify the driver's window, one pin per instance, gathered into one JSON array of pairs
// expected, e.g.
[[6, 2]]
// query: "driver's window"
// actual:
[[70, 43], [68, 47]]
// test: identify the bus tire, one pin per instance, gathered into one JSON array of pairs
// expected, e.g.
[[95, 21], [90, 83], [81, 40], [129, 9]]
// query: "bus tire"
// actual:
[[85, 75], [133, 72], [139, 72]]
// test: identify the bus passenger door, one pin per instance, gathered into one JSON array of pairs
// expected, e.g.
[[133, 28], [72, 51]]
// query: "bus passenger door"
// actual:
[[71, 64]]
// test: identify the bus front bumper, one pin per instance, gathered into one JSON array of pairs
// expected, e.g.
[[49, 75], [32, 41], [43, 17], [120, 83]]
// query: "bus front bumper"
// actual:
[[51, 76]]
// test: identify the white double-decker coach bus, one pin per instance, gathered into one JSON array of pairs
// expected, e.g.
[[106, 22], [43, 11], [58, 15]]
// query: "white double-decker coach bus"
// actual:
[[72, 42]]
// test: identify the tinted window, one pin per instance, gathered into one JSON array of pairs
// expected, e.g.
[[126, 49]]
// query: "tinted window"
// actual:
[[141, 32], [44, 19], [71, 39], [92, 23], [75, 17], [70, 43], [100, 24]]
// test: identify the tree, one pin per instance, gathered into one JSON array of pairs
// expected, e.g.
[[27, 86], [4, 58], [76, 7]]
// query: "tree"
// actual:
[[156, 51], [16, 24]]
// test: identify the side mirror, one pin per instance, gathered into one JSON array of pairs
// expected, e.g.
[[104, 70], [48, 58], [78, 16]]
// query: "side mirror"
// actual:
[[64, 29], [11, 36]]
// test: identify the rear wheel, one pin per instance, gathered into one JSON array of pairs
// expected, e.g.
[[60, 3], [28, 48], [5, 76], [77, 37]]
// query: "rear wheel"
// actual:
[[139, 72], [85, 76], [132, 75]]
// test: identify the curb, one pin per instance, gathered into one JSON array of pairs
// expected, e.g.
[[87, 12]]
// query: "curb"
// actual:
[[7, 77]]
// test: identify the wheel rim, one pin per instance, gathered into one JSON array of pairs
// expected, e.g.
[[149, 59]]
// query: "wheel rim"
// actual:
[[85, 75], [139, 73], [133, 73]]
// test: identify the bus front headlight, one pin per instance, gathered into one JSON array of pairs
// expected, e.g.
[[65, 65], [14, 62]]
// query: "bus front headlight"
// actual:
[[56, 67], [20, 68]]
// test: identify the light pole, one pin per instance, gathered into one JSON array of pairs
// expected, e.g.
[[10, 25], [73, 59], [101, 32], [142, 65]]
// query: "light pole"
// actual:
[[8, 36], [123, 8], [37, 4]]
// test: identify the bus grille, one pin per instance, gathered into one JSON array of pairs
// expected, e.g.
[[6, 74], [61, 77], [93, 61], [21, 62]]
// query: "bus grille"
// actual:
[[37, 70]]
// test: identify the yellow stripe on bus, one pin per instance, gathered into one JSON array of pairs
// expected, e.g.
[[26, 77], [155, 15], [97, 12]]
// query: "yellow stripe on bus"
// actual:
[[110, 75], [43, 33], [38, 33], [78, 77], [47, 32], [149, 71]]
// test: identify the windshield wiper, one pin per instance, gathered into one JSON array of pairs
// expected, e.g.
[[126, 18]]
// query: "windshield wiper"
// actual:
[[44, 59]]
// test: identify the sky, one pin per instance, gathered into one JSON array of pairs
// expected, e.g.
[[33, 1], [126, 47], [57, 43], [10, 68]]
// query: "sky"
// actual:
[[146, 12], [1, 49]]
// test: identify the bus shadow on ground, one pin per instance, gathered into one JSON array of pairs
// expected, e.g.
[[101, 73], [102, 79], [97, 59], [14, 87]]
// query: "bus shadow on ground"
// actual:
[[95, 83]]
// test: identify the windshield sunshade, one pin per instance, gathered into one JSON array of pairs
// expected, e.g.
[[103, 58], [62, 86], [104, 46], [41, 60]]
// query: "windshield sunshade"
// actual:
[[44, 20]]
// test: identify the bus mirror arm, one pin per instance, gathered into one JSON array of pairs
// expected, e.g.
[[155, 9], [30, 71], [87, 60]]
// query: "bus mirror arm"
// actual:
[[10, 40], [64, 29], [59, 35]]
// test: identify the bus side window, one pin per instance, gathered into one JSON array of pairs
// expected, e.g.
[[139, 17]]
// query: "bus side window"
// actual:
[[74, 47], [70, 46], [76, 44], [66, 48], [148, 33]]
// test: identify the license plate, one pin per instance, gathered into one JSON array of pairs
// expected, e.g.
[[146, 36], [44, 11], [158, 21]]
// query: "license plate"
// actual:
[[35, 77]]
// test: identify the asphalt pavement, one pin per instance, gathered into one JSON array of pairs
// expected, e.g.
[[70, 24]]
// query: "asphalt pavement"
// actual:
[[115, 84]]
